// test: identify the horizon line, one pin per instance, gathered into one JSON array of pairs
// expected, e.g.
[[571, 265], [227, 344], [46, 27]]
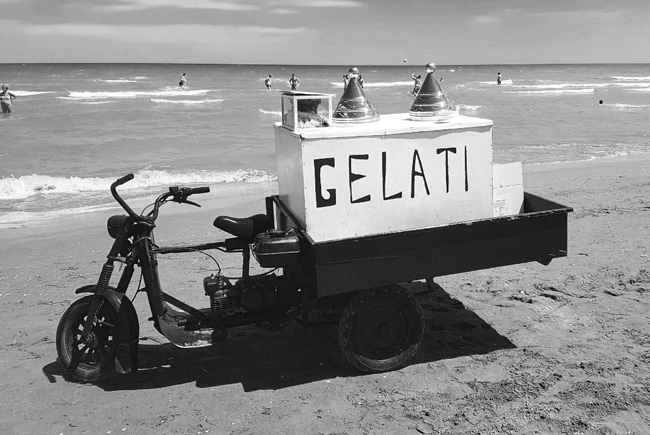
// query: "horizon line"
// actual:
[[322, 65]]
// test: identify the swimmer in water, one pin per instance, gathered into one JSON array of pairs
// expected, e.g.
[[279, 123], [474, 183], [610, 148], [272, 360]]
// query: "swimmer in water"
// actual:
[[417, 83], [183, 81], [267, 81], [353, 73], [294, 82], [6, 99], [498, 78]]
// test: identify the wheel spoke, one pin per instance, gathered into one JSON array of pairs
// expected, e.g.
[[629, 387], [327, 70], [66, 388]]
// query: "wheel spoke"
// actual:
[[83, 349], [92, 356], [105, 323]]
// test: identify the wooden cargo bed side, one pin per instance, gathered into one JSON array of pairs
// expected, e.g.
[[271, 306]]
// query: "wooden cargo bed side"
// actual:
[[538, 234]]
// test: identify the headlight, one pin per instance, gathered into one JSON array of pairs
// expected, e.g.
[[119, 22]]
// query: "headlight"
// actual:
[[114, 224]]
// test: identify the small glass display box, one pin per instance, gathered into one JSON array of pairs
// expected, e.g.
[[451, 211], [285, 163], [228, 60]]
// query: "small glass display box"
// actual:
[[306, 110]]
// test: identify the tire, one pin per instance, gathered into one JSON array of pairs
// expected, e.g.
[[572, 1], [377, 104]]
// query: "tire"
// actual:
[[381, 329], [95, 361]]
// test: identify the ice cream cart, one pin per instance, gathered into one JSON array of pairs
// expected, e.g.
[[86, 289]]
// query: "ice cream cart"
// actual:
[[365, 202]]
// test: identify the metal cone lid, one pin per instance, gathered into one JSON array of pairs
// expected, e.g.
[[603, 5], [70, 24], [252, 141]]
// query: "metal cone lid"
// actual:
[[354, 106], [431, 101]]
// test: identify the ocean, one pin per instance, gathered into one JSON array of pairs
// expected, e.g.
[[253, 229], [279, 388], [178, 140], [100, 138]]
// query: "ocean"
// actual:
[[76, 128]]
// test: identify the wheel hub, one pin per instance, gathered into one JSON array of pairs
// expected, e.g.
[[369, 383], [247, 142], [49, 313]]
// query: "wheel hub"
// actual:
[[385, 328], [92, 341]]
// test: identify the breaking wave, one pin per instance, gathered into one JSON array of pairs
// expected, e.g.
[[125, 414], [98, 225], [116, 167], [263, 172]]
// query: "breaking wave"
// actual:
[[555, 91], [271, 112], [30, 93], [12, 188], [378, 84], [630, 78], [190, 102], [102, 95]]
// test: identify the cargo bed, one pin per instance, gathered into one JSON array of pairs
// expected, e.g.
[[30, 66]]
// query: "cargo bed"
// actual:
[[341, 266]]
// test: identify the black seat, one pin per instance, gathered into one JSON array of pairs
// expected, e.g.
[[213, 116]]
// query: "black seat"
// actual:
[[244, 228]]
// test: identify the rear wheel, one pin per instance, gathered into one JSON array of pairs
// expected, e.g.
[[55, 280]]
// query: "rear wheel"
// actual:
[[381, 329], [92, 360]]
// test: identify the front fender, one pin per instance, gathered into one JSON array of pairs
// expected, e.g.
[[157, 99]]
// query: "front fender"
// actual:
[[126, 356]]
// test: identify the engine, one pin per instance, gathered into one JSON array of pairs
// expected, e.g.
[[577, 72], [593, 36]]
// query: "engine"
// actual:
[[251, 294], [223, 296]]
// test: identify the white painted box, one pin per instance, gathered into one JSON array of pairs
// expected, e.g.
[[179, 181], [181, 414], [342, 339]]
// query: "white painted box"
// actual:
[[393, 175], [508, 189]]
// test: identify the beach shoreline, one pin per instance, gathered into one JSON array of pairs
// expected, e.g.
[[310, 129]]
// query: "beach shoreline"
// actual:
[[562, 348], [222, 195]]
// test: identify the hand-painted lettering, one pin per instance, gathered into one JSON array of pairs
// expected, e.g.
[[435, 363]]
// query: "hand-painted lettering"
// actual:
[[446, 151], [420, 173], [320, 200], [466, 180], [393, 177], [383, 179], [354, 177]]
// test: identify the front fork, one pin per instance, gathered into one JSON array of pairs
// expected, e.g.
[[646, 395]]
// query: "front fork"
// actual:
[[105, 278], [98, 298]]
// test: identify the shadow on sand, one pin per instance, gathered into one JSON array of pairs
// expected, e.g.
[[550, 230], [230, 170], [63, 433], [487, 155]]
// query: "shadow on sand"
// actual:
[[259, 359]]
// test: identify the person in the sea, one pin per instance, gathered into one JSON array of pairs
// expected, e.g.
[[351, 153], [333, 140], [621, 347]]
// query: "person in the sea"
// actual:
[[294, 82], [183, 81], [498, 78], [267, 81], [6, 99], [354, 73], [417, 79], [346, 80]]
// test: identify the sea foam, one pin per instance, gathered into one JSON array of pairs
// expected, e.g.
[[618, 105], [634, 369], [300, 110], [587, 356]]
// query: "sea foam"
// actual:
[[12, 188], [30, 93], [98, 95], [555, 91], [630, 78], [117, 81], [271, 112], [629, 106], [190, 102], [378, 84]]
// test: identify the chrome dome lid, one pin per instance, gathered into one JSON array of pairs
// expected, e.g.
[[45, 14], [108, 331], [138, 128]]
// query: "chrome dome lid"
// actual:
[[431, 102], [354, 106]]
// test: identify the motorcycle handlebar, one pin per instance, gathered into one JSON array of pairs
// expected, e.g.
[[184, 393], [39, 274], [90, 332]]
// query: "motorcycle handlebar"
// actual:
[[178, 193], [118, 198], [195, 190], [127, 177]]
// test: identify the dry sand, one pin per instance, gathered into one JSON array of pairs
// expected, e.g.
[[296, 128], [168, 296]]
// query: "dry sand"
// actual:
[[524, 349]]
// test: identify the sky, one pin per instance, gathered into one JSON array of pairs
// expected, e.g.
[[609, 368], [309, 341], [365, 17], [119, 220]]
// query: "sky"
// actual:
[[325, 32]]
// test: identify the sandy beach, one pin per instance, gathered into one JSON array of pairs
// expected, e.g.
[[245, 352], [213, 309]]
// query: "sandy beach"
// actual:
[[561, 349]]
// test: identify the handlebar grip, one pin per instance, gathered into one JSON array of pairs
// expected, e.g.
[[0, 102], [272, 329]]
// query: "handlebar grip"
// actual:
[[127, 177], [195, 190]]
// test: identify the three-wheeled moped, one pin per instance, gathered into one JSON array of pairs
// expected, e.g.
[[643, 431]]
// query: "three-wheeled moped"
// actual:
[[381, 325]]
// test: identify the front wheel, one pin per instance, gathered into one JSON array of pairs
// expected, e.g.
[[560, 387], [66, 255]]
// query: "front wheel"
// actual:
[[381, 329], [92, 360]]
